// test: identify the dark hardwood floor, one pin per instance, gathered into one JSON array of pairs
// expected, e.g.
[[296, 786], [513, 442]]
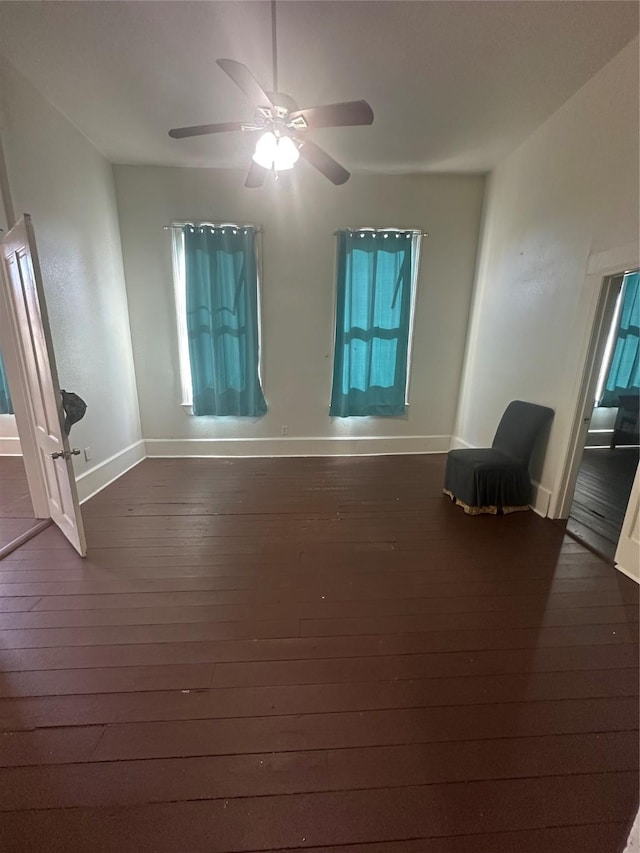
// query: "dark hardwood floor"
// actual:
[[601, 496], [318, 655], [16, 509]]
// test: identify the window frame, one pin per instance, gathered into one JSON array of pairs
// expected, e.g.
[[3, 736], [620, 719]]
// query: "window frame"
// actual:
[[180, 300], [416, 246]]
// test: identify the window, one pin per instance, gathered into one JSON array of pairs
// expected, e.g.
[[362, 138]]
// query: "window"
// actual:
[[216, 288], [6, 406], [376, 286]]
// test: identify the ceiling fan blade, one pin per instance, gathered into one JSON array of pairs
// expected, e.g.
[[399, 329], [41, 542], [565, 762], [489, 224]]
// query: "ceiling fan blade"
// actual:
[[323, 162], [201, 129], [243, 78], [332, 115], [255, 175]]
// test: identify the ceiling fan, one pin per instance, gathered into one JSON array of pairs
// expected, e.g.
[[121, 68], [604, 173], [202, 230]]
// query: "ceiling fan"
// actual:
[[282, 126]]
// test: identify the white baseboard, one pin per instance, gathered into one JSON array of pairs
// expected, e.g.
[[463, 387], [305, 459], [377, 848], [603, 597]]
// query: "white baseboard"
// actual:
[[458, 443], [97, 478], [10, 447], [540, 499], [297, 446]]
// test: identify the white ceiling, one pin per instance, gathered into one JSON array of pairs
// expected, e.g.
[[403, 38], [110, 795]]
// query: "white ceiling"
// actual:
[[454, 86]]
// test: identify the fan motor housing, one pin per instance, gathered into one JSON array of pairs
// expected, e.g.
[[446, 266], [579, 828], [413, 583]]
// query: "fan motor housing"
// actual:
[[284, 101]]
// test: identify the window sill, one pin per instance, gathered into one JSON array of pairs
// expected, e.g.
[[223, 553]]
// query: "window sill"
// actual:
[[187, 408]]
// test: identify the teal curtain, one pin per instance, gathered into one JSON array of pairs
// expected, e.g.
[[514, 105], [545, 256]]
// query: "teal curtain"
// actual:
[[624, 372], [222, 320], [6, 406], [373, 314]]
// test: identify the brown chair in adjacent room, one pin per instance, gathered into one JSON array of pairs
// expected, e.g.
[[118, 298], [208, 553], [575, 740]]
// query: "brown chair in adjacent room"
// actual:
[[496, 479]]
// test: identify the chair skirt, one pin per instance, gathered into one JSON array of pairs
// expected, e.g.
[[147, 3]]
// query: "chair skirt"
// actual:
[[486, 480]]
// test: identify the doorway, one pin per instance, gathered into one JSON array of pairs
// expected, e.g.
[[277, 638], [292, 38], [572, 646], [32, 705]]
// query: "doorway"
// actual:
[[17, 516], [611, 451]]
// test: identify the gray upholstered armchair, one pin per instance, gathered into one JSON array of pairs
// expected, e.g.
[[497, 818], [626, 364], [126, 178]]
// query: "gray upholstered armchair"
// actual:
[[496, 479]]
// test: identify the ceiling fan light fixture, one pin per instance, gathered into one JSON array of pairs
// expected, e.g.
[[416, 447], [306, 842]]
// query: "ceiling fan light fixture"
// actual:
[[279, 121], [276, 152]]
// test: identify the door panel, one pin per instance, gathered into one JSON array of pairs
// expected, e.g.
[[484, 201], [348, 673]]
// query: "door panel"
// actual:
[[27, 303], [628, 551]]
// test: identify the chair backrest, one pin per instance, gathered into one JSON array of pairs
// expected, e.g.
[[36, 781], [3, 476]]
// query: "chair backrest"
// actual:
[[519, 427]]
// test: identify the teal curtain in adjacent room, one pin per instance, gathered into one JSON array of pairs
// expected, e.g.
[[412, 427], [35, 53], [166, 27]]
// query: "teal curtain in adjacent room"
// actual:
[[373, 315], [624, 373], [6, 407], [222, 320]]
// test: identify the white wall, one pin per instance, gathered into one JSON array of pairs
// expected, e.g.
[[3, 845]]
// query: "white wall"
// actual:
[[66, 185], [601, 426], [569, 191], [9, 440], [298, 301]]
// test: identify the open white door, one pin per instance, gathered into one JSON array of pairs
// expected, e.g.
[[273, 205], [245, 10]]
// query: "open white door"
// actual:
[[628, 551], [34, 365]]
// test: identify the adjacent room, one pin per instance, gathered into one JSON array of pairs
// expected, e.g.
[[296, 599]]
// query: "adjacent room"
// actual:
[[304, 310], [16, 510], [610, 458]]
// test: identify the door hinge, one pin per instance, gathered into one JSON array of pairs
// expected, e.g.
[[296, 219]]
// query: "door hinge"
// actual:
[[65, 454]]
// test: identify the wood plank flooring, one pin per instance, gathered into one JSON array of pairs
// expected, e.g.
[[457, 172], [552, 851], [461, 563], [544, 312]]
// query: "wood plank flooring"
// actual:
[[16, 510], [601, 496], [314, 654]]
